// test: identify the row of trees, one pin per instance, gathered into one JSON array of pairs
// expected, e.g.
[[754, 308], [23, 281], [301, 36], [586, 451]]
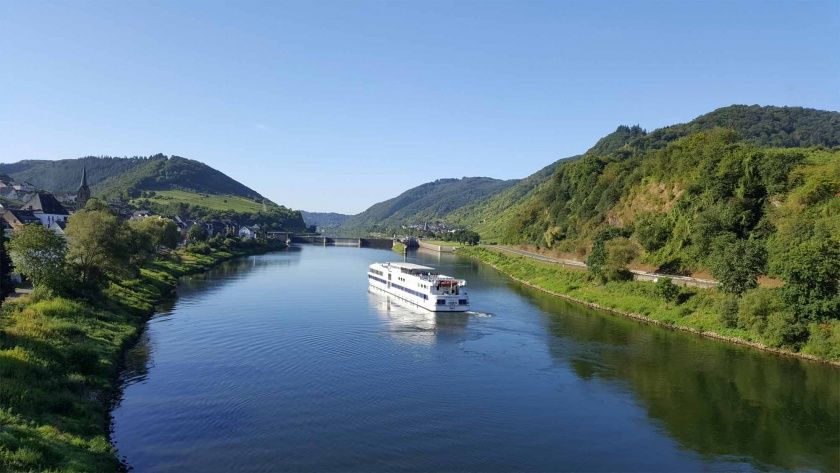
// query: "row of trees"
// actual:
[[98, 245]]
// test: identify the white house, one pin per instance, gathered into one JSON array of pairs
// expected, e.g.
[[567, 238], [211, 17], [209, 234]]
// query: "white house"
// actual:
[[47, 208], [247, 232]]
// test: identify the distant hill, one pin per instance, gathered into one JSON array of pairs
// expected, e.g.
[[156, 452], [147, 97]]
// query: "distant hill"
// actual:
[[167, 185], [428, 202], [324, 219], [110, 176]]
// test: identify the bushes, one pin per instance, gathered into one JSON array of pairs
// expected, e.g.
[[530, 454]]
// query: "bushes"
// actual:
[[666, 290], [755, 308]]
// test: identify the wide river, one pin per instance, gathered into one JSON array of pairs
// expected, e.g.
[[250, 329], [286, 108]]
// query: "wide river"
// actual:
[[285, 362]]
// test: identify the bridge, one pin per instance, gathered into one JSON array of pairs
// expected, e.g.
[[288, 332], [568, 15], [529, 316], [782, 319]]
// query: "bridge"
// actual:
[[365, 242]]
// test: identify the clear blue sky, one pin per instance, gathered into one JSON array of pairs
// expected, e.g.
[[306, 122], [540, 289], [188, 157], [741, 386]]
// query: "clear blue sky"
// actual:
[[335, 105]]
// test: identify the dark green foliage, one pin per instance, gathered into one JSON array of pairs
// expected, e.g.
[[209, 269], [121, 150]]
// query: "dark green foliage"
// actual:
[[737, 263], [6, 286], [789, 127], [616, 140], [197, 233], [667, 290], [728, 310], [652, 231], [812, 275], [466, 237], [620, 253], [756, 307]]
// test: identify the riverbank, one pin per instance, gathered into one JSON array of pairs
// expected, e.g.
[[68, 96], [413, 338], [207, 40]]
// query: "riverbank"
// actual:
[[696, 310], [60, 357]]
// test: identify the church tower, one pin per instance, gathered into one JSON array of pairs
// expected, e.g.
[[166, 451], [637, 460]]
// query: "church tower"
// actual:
[[83, 194]]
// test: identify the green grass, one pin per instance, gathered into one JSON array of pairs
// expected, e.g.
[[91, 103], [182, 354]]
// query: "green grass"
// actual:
[[398, 247], [442, 243], [697, 311], [210, 201], [59, 359]]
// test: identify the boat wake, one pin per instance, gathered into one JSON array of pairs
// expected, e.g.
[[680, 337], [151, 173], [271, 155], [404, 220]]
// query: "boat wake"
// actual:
[[479, 314]]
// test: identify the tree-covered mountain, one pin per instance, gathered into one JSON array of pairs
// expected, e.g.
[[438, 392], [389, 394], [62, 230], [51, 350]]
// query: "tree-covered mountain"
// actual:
[[741, 193], [111, 177], [324, 219], [501, 217], [170, 186], [428, 202]]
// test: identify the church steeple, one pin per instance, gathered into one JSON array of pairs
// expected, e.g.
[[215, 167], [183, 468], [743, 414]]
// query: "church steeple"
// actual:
[[83, 194]]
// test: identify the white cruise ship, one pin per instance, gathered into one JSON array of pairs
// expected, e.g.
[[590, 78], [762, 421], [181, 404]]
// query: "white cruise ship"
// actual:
[[420, 285]]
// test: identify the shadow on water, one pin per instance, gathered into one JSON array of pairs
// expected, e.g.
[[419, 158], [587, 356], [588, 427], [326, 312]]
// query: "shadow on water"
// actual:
[[716, 399]]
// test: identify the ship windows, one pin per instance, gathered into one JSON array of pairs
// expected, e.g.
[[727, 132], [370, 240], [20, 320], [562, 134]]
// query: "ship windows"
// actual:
[[462, 302], [441, 302], [376, 272]]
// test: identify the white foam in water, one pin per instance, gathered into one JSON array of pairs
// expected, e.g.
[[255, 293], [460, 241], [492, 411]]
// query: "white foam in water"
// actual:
[[480, 314]]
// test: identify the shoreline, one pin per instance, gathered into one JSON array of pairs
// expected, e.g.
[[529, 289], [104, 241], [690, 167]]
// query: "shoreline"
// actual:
[[113, 397], [64, 359], [649, 320]]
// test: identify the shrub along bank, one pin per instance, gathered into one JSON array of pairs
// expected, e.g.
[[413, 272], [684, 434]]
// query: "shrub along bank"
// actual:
[[60, 355], [758, 318]]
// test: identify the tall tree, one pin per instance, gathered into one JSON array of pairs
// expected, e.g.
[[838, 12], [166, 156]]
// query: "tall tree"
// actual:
[[99, 245], [38, 255]]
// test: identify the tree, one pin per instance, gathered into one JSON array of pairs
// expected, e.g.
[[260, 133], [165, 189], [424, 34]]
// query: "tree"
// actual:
[[38, 254], [99, 245], [597, 257], [737, 263], [652, 231], [467, 237], [162, 232], [620, 252], [811, 273], [197, 233], [6, 286], [667, 290]]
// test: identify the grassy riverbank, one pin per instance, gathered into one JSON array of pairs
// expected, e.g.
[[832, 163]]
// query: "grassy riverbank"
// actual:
[[59, 360], [695, 310]]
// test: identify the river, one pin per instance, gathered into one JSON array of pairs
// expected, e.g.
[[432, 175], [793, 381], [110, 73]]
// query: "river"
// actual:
[[285, 362]]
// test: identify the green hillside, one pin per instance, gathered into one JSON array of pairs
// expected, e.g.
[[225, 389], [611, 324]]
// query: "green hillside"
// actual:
[[324, 219], [428, 202], [502, 217], [741, 193], [170, 186], [110, 177]]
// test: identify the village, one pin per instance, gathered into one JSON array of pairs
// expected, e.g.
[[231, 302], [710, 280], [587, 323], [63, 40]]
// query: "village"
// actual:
[[52, 211]]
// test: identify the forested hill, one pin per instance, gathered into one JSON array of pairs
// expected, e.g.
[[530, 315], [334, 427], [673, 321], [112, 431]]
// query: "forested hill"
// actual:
[[427, 202], [324, 219], [502, 217], [110, 177], [741, 193]]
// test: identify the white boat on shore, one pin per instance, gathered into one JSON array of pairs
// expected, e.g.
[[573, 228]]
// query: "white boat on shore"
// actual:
[[420, 285]]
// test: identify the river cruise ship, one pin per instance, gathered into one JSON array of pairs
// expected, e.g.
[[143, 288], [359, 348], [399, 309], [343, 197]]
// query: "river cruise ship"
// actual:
[[420, 285]]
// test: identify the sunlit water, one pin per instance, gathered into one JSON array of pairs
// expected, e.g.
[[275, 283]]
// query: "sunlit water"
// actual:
[[285, 362]]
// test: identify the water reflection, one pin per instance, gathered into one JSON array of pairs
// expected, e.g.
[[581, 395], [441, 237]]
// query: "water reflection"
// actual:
[[415, 325], [716, 399]]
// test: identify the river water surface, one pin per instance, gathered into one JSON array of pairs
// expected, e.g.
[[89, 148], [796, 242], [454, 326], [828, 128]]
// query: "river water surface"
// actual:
[[285, 362]]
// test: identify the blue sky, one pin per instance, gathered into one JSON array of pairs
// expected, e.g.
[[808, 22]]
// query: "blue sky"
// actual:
[[336, 105]]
